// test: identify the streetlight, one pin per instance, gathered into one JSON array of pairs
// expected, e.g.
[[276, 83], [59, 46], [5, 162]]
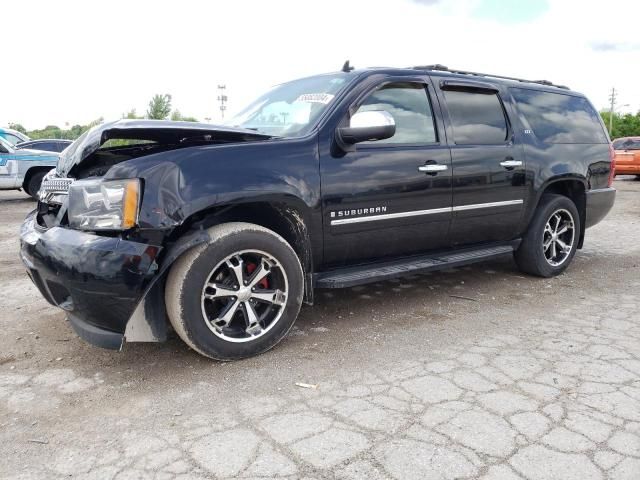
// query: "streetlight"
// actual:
[[222, 98]]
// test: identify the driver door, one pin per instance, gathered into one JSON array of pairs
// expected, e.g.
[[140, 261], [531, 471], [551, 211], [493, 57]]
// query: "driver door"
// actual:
[[392, 197]]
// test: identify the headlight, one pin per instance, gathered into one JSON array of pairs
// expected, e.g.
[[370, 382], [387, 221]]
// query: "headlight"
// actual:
[[104, 205]]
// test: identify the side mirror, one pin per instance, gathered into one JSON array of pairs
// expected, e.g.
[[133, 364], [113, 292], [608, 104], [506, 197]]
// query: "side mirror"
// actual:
[[364, 127]]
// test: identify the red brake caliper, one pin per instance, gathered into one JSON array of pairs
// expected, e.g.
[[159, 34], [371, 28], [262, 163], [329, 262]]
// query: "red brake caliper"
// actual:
[[264, 283]]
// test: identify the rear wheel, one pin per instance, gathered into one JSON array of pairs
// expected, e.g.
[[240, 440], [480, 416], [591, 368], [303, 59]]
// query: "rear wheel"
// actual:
[[552, 239], [236, 296], [33, 185]]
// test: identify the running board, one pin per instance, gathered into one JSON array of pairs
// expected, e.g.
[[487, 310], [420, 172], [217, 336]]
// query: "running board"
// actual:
[[374, 272]]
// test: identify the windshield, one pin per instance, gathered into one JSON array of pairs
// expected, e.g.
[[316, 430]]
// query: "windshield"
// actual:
[[627, 144], [5, 146], [291, 109]]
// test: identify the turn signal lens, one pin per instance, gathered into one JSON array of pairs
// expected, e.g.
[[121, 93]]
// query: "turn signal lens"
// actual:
[[131, 201]]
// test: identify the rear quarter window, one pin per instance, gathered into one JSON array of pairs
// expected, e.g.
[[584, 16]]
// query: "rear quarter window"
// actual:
[[559, 118]]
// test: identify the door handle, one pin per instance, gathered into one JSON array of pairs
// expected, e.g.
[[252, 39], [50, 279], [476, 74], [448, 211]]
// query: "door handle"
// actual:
[[432, 168], [511, 163]]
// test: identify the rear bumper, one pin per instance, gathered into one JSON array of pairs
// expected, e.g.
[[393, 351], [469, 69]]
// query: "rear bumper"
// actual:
[[97, 280], [599, 203]]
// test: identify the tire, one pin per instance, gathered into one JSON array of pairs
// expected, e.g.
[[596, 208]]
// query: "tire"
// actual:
[[208, 306], [532, 257], [34, 183]]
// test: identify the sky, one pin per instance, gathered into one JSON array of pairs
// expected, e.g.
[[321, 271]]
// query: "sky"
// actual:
[[70, 62]]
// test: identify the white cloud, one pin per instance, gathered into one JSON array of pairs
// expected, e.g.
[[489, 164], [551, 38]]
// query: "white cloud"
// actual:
[[73, 62]]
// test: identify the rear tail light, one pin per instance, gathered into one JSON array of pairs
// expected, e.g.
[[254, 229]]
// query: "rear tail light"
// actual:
[[612, 172]]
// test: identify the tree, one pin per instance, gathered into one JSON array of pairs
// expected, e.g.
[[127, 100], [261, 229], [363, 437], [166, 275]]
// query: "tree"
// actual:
[[131, 115], [53, 131], [159, 107], [627, 125], [176, 116], [18, 127]]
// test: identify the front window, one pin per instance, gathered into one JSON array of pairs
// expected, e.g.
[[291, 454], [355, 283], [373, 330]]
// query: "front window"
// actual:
[[291, 109], [410, 108]]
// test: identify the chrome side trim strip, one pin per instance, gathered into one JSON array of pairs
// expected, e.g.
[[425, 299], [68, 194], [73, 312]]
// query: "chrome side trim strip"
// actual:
[[473, 206], [388, 216], [414, 213]]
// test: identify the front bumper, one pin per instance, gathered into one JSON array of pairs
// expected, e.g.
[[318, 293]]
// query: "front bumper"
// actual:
[[99, 281], [599, 203]]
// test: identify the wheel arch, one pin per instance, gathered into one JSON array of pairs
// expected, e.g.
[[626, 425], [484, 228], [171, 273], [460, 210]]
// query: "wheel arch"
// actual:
[[31, 172], [283, 216], [148, 323], [572, 187]]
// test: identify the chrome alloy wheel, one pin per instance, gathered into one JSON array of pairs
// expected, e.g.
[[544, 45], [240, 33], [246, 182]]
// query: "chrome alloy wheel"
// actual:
[[244, 296], [558, 237]]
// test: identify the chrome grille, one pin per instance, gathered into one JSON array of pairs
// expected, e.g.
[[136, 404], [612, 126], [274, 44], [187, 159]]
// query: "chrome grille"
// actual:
[[54, 189]]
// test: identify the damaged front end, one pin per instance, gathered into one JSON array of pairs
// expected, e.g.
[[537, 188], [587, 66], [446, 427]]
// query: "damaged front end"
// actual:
[[86, 247]]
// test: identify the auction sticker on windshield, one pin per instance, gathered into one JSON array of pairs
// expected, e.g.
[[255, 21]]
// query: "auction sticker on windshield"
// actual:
[[323, 98]]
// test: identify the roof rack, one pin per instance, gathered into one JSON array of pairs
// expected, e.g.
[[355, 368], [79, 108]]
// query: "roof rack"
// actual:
[[442, 68]]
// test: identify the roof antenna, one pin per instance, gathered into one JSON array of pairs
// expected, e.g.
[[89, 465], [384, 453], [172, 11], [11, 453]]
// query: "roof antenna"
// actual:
[[346, 67]]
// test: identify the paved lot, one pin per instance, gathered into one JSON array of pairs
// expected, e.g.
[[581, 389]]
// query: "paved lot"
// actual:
[[524, 378]]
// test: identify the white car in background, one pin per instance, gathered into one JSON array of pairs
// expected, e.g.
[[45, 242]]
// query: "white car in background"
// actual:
[[24, 168]]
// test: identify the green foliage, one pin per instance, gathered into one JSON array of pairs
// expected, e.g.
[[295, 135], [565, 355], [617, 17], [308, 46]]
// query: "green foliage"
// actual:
[[627, 125], [159, 107], [176, 116], [131, 115], [18, 127], [53, 131]]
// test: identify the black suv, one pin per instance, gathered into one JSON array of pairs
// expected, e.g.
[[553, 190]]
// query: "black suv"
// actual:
[[329, 181]]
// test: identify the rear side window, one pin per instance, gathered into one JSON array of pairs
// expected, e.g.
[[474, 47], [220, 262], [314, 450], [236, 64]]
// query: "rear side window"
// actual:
[[560, 118], [477, 117]]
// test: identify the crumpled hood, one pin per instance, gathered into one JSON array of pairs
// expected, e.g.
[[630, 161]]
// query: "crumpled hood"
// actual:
[[161, 131]]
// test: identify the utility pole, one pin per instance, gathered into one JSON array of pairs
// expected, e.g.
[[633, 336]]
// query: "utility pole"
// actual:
[[222, 98], [612, 99]]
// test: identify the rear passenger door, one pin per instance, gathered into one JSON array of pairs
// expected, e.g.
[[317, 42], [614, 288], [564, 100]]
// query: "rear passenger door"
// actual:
[[488, 168]]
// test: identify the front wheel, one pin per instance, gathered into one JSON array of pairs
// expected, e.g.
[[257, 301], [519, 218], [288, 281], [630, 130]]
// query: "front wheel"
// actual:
[[552, 239], [34, 183], [236, 296]]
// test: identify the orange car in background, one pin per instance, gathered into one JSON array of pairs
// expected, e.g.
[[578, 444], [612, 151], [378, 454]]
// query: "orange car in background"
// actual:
[[627, 154]]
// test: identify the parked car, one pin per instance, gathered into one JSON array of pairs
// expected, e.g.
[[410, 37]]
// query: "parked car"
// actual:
[[24, 168], [47, 145], [627, 151], [13, 136], [324, 182]]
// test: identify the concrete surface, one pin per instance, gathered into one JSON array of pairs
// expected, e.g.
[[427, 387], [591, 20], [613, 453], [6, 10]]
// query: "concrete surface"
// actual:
[[525, 378]]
